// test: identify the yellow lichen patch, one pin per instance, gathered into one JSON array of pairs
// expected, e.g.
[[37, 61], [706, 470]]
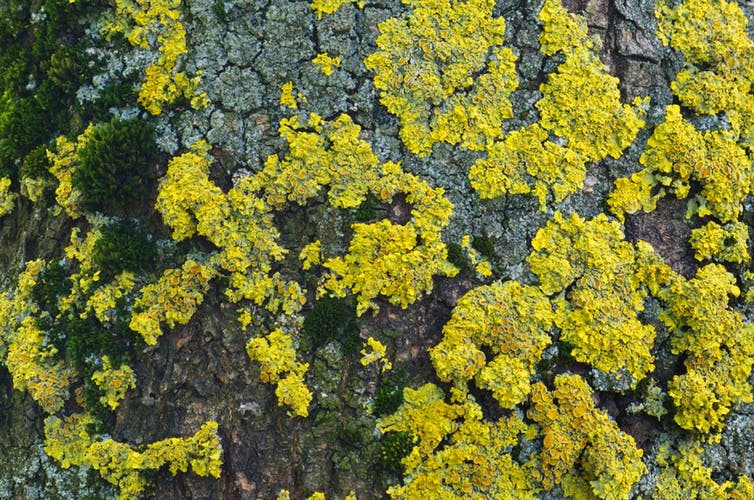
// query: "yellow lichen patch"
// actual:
[[172, 300], [426, 416], [277, 356], [32, 364], [311, 255], [69, 442], [375, 351], [7, 197], [326, 63], [683, 474], [473, 463], [425, 70], [113, 382], [606, 291], [62, 164], [239, 223], [321, 7], [104, 299], [34, 367], [287, 98], [527, 161], [677, 155], [158, 23], [574, 431], [395, 261], [513, 321], [718, 344], [596, 127], [719, 55], [729, 243]]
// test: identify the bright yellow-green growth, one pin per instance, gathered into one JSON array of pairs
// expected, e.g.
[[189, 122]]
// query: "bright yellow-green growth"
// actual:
[[513, 321], [68, 441], [158, 22], [7, 197], [62, 165], [683, 475], [527, 161], [113, 382], [276, 354], [321, 7], [715, 80], [677, 155], [728, 243], [375, 351], [474, 460], [311, 255], [426, 71], [172, 300], [575, 431], [719, 55], [33, 365], [383, 258], [104, 299], [606, 292], [287, 98], [718, 344], [326, 63]]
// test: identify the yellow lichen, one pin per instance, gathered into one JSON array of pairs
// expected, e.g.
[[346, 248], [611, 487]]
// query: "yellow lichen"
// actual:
[[277, 357], [326, 63], [286, 96], [158, 23], [729, 243], [528, 161], [69, 442], [7, 197], [375, 351], [425, 69], [473, 463], [575, 431], [513, 321], [606, 291], [321, 7], [172, 300], [718, 344], [113, 382]]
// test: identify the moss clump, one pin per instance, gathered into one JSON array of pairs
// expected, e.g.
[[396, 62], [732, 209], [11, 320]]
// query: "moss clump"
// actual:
[[389, 394], [52, 284], [484, 246], [123, 246], [333, 319], [368, 210], [113, 167], [457, 257], [395, 446]]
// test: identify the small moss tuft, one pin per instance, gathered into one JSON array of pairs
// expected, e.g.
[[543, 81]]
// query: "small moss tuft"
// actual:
[[333, 319], [113, 167], [395, 447]]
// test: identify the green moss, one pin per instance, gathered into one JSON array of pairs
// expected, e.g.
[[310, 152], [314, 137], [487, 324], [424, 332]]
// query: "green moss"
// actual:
[[333, 319], [123, 246], [389, 394], [114, 168], [457, 257], [395, 446], [484, 246], [218, 7], [52, 284], [368, 210], [35, 164]]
